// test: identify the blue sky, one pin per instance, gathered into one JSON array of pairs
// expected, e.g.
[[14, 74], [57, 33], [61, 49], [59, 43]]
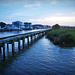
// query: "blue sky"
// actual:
[[47, 12]]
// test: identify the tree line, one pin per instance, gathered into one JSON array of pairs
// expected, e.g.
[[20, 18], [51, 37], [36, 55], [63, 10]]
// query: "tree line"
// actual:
[[2, 24]]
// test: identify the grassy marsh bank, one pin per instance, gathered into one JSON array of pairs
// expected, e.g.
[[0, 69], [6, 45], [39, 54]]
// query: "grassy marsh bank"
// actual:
[[62, 36]]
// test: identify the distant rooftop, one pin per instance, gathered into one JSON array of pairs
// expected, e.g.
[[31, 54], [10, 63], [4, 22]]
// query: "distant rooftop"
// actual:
[[17, 21]]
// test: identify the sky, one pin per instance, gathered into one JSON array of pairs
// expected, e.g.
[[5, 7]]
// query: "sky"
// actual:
[[46, 12]]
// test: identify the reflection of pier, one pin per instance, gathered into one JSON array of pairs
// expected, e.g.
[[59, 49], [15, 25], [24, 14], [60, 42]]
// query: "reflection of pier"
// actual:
[[31, 36]]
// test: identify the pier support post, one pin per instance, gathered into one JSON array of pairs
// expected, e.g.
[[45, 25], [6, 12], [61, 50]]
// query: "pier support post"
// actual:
[[7, 46], [42, 33], [3, 50], [23, 42], [31, 39], [13, 47], [0, 49], [19, 44], [35, 37], [28, 40], [38, 36]]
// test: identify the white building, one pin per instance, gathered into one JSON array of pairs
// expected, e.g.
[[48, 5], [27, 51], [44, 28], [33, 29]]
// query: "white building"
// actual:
[[10, 26], [17, 24], [22, 25]]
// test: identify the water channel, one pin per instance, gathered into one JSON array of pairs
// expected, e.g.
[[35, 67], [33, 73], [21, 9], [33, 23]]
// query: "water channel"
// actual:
[[41, 57]]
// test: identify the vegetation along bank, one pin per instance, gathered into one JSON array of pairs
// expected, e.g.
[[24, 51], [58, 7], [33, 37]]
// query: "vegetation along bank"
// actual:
[[64, 37]]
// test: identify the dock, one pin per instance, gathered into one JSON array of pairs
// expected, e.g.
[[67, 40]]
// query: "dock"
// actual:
[[32, 36]]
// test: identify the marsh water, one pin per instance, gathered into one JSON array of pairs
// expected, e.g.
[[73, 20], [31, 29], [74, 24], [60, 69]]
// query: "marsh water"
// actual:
[[41, 57]]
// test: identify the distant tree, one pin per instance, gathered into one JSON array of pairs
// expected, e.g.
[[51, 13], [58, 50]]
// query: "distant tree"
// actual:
[[56, 26], [2, 24]]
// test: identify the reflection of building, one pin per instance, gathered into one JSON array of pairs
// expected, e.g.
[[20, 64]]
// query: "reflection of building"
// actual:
[[27, 25]]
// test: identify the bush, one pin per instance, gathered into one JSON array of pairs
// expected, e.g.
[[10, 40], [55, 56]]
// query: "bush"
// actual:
[[56, 26]]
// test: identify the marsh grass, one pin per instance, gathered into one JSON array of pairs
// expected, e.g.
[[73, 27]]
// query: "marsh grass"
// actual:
[[62, 36]]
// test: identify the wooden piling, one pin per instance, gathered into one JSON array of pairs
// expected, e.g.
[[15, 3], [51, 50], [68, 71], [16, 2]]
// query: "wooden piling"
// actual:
[[3, 50], [23, 42], [28, 40], [13, 47], [31, 39], [35, 37], [7, 46], [0, 49], [19, 44], [38, 35]]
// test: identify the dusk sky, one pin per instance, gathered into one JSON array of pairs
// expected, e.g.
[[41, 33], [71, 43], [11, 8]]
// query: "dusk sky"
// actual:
[[47, 12]]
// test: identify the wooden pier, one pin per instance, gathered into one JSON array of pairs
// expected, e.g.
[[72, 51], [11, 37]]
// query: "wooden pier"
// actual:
[[16, 38]]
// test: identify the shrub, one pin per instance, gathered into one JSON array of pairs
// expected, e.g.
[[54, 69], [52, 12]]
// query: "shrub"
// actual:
[[56, 26]]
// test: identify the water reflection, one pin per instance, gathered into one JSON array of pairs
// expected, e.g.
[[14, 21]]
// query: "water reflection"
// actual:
[[39, 58]]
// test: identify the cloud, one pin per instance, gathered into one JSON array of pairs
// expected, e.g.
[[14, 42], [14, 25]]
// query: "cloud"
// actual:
[[53, 1], [18, 14], [32, 5], [51, 20], [73, 13], [58, 14]]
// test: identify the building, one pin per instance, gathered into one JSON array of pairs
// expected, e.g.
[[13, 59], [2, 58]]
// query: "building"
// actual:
[[37, 26], [27, 25], [17, 24], [11, 27]]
